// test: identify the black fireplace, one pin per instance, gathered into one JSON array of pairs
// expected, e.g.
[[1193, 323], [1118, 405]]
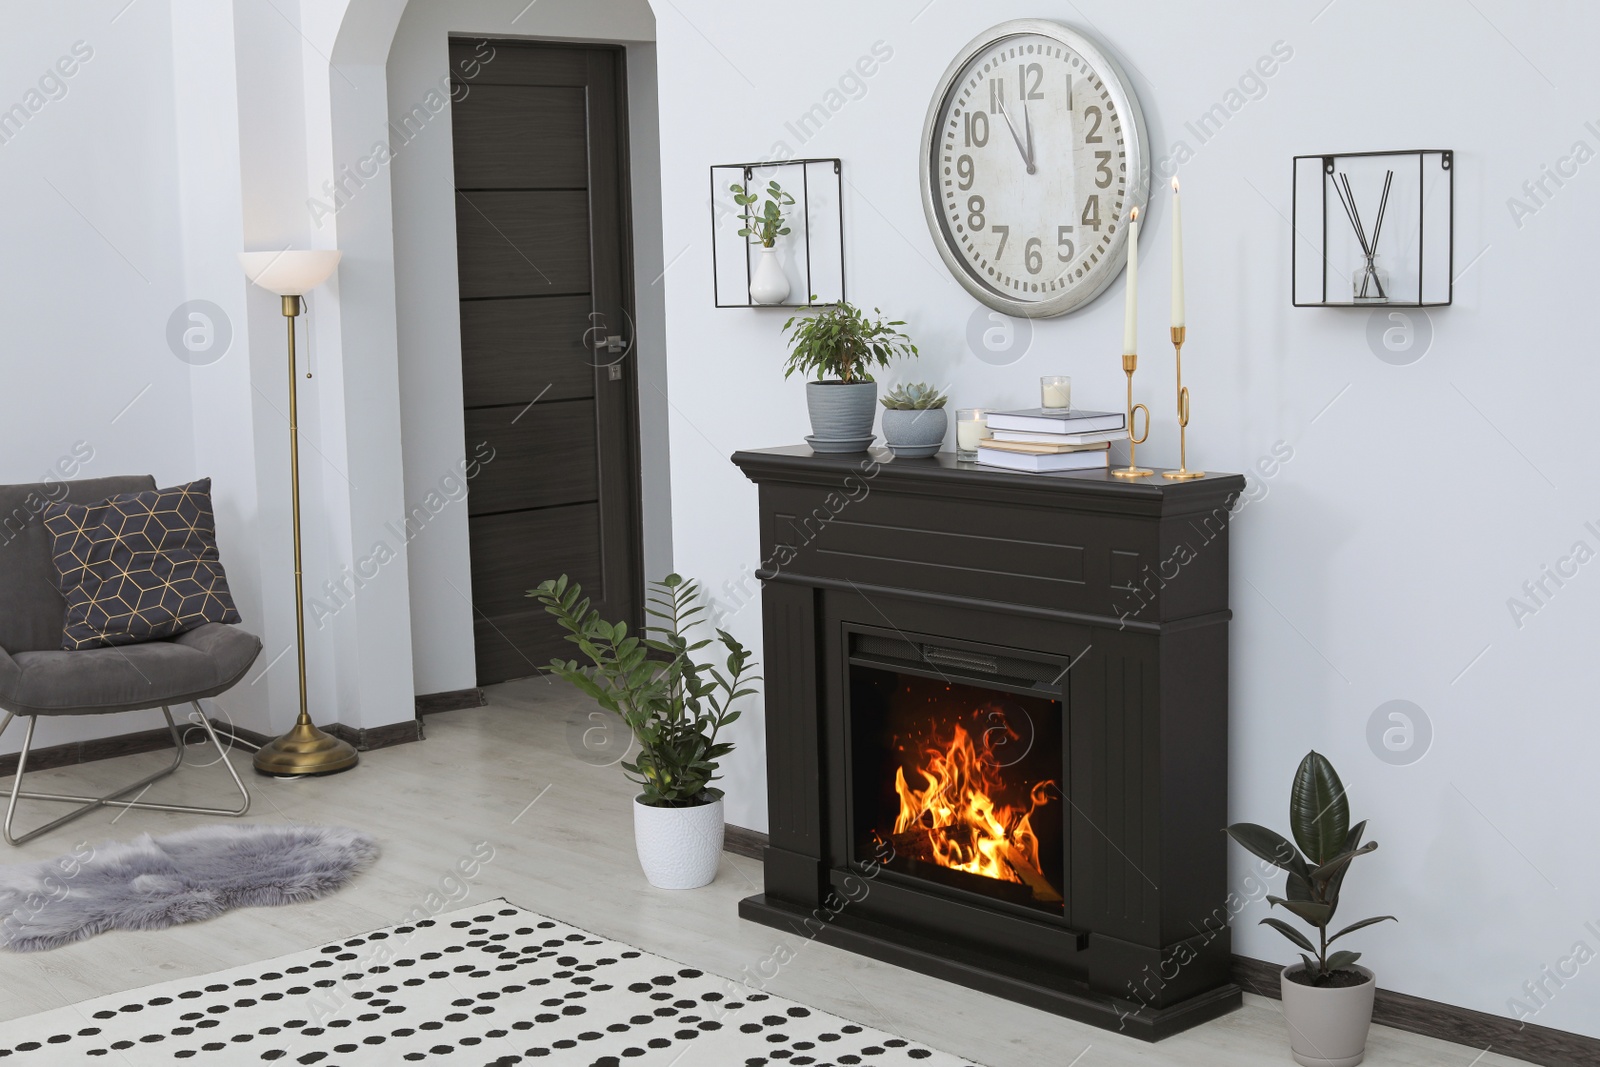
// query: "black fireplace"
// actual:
[[996, 714]]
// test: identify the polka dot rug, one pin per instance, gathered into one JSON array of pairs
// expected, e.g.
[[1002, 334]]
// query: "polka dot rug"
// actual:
[[489, 986]]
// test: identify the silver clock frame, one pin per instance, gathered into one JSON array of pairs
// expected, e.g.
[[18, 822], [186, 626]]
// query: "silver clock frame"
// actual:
[[1137, 146]]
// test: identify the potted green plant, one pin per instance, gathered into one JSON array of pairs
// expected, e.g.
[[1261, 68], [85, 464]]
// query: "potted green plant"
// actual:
[[674, 703], [841, 345], [914, 420], [769, 284], [1327, 999]]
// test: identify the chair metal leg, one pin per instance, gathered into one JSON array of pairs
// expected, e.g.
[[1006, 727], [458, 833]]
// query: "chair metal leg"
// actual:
[[111, 800]]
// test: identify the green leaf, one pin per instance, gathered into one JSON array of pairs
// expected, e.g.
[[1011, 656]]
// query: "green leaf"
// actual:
[[1312, 912], [1319, 812], [1342, 959], [1291, 933], [1351, 843], [1326, 871], [1353, 927], [1270, 846]]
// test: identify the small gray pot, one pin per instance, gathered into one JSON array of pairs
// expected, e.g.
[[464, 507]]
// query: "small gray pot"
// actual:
[[1327, 1027], [914, 434], [841, 411]]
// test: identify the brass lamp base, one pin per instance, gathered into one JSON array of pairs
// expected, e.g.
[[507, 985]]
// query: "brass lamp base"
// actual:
[[305, 750]]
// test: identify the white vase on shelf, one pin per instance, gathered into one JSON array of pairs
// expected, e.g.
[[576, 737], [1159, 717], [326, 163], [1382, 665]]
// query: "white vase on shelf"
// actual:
[[769, 284]]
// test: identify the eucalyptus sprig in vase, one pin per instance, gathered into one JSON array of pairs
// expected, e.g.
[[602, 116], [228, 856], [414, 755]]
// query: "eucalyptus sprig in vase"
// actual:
[[769, 283]]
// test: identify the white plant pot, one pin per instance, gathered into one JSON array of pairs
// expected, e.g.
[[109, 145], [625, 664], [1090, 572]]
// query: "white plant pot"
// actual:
[[1327, 1027], [768, 283], [679, 848]]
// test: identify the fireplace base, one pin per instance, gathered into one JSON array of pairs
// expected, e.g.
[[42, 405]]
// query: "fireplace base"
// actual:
[[935, 959]]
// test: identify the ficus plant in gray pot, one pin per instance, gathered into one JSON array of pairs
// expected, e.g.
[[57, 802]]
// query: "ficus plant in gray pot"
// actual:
[[675, 702], [1327, 999], [913, 420], [841, 345]]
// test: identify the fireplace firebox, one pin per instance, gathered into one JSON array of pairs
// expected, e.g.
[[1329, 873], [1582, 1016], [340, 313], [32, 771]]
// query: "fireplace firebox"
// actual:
[[996, 712], [956, 779]]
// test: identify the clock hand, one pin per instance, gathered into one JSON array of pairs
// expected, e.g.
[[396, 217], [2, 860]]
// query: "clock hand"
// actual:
[[1025, 153], [1027, 123]]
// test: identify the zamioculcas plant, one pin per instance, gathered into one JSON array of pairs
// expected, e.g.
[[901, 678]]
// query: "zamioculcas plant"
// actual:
[[673, 702], [1319, 818]]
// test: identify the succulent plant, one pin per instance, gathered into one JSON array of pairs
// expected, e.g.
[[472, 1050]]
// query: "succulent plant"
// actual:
[[916, 396]]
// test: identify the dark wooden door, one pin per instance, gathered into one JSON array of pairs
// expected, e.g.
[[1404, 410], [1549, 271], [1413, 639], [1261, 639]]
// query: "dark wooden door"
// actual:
[[544, 258]]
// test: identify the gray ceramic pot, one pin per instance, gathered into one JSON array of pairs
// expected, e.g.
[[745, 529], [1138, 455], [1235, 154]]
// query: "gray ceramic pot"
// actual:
[[914, 433], [1327, 1027], [840, 411]]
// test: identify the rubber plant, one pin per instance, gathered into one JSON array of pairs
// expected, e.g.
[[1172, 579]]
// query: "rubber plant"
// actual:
[[674, 702], [843, 342], [1319, 818]]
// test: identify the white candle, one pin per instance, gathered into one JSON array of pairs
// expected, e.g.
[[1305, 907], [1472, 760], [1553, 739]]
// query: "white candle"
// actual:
[[1177, 256], [970, 431], [1057, 395], [1130, 312]]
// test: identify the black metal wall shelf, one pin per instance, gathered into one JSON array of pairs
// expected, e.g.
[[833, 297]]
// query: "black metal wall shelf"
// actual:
[[1385, 237], [815, 247]]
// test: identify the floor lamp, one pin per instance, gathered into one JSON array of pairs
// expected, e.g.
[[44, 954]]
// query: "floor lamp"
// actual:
[[304, 749]]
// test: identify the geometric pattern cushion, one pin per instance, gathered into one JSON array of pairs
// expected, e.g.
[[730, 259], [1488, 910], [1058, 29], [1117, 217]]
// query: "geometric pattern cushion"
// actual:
[[139, 566]]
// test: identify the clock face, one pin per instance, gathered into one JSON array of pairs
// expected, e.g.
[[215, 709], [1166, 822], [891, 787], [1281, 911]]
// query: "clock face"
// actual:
[[1033, 154]]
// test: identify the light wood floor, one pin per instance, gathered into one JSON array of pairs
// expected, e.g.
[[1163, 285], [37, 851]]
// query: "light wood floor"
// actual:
[[562, 833]]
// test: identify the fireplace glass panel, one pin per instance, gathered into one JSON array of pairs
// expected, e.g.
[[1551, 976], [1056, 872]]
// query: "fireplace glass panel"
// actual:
[[959, 784]]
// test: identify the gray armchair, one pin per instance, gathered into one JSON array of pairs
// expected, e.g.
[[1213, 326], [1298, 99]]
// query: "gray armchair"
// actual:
[[38, 679]]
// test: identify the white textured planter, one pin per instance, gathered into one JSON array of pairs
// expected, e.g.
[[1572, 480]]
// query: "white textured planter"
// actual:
[[769, 284], [679, 848], [914, 434], [1327, 1027]]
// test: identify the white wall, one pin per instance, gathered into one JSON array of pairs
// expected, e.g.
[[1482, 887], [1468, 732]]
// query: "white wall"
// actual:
[[1376, 563], [427, 298], [91, 269]]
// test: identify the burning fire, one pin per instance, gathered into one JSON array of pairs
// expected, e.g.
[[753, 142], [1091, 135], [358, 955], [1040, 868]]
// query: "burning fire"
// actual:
[[959, 819]]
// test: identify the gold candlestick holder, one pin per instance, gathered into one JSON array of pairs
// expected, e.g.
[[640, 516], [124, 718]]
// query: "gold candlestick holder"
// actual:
[[1130, 363], [1183, 472]]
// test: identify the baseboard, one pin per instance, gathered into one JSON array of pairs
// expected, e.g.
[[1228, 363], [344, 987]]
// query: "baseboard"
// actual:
[[1536, 1044], [71, 753], [742, 842], [453, 700], [99, 748], [365, 740], [1507, 1037]]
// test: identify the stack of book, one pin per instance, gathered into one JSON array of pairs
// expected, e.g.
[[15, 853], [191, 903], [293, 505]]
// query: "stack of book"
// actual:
[[1039, 440]]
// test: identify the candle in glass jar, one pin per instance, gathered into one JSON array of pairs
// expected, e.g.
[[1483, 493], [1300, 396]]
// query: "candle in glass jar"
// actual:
[[1055, 392], [972, 426]]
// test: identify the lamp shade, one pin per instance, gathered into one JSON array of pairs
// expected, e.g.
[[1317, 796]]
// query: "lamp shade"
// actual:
[[289, 272]]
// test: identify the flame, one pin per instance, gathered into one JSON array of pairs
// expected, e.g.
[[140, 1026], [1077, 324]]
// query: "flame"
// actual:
[[1174, 185], [964, 825], [1134, 214]]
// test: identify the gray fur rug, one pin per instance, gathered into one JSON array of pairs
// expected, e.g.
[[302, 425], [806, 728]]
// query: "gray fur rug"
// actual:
[[151, 883]]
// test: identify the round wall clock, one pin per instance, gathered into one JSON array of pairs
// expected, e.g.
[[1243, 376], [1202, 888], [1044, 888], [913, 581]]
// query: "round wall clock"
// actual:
[[1033, 153]]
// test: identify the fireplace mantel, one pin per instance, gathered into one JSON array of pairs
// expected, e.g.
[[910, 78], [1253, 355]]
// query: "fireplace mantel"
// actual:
[[1124, 582]]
